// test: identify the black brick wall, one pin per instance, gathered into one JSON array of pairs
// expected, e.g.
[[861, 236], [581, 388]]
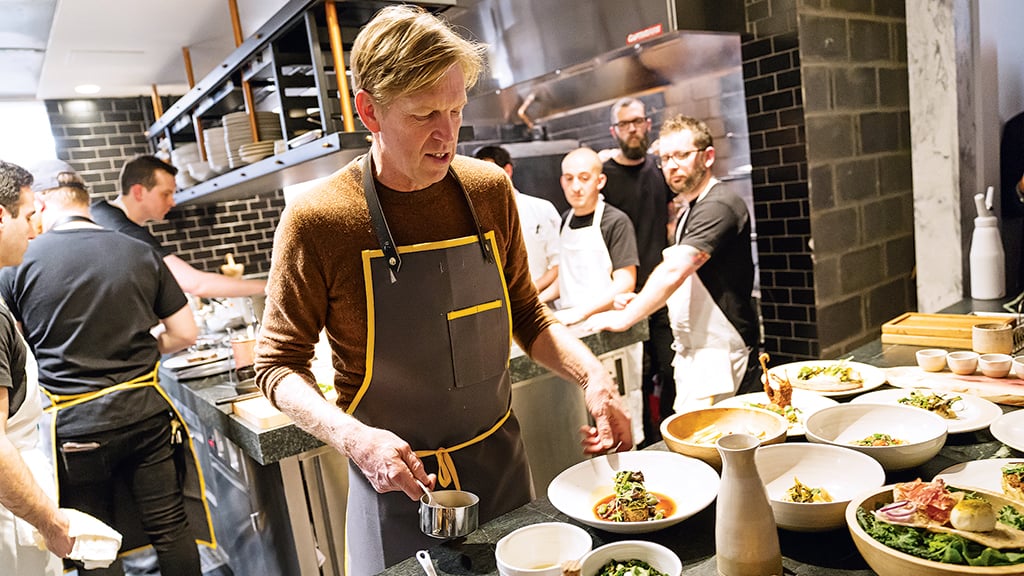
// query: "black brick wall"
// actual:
[[98, 136], [828, 106]]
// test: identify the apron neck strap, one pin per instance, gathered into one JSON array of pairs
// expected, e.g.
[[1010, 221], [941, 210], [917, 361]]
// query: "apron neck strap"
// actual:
[[380, 224]]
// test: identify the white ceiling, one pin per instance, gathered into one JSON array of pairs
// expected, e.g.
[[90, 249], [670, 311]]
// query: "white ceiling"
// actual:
[[47, 47]]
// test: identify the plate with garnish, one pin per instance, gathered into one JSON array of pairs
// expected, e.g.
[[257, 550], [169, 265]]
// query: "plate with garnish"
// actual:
[[962, 412], [832, 378]]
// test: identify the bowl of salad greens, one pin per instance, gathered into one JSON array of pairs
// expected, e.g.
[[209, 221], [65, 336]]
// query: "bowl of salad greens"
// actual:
[[904, 532], [631, 558]]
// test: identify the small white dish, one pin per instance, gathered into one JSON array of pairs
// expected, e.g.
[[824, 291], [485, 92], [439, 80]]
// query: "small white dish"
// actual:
[[995, 365], [931, 359], [962, 362]]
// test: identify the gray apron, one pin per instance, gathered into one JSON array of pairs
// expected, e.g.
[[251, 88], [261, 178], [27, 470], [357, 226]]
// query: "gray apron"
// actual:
[[437, 353]]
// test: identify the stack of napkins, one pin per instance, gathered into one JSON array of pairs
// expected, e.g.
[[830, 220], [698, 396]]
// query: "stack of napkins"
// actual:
[[96, 544]]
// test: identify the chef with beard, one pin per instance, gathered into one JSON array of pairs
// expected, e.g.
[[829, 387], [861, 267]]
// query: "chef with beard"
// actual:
[[706, 277]]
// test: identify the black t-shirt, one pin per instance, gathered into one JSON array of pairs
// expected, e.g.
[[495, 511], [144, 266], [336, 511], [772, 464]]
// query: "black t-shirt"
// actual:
[[113, 218], [719, 224], [87, 299], [12, 361], [617, 231], [641, 192]]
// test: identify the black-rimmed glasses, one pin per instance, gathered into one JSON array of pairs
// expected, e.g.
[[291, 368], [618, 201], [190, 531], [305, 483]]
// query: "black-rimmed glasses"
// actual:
[[679, 158], [635, 123]]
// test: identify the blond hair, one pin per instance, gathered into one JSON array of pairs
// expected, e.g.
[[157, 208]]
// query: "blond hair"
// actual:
[[404, 49]]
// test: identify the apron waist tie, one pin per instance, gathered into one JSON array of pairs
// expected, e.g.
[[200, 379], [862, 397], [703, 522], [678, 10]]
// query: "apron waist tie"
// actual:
[[58, 402], [446, 473]]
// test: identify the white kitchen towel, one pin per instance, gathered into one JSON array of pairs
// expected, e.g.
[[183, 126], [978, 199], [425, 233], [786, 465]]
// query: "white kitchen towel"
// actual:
[[96, 544]]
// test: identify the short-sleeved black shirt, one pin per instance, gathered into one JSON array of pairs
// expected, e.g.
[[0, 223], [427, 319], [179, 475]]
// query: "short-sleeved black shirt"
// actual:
[[113, 218], [719, 224], [641, 192], [12, 361], [87, 299]]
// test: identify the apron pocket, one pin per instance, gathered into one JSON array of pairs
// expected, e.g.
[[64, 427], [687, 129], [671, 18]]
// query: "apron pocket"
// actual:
[[83, 463], [477, 356]]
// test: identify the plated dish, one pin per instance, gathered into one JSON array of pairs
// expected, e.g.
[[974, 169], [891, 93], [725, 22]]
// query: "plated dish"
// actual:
[[688, 483], [1009, 429], [984, 474], [805, 403], [831, 378], [200, 358], [972, 412]]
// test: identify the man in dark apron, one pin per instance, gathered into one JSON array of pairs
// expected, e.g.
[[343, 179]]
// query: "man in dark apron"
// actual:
[[119, 448], [412, 259]]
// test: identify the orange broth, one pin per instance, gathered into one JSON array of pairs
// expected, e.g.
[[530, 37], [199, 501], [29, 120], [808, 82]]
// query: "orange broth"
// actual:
[[665, 504]]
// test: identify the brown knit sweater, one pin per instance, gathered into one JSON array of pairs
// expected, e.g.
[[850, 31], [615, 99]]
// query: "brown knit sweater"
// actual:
[[316, 276]]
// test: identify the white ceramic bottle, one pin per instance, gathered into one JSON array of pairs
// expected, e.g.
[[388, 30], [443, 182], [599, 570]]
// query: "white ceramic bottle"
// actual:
[[988, 273], [746, 539]]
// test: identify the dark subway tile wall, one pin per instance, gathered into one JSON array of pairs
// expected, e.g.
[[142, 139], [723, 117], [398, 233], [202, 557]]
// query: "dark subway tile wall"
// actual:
[[778, 156], [98, 136], [827, 102]]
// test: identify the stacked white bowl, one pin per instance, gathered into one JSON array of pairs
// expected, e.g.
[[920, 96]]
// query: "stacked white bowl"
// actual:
[[238, 133], [216, 151], [181, 157]]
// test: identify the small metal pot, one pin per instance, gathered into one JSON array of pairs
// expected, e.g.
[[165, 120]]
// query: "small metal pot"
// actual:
[[453, 513]]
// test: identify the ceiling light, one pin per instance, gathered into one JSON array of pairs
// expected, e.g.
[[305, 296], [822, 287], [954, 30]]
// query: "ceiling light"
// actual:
[[87, 88]]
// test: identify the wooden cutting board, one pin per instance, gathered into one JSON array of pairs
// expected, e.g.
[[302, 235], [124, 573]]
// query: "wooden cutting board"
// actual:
[[260, 412], [1009, 390], [938, 330]]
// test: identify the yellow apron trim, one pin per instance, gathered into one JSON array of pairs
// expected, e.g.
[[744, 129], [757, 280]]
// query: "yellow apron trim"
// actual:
[[58, 402], [446, 473], [368, 255], [474, 310]]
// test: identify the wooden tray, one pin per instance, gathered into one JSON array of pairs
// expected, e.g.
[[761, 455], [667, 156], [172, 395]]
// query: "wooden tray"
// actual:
[[938, 330]]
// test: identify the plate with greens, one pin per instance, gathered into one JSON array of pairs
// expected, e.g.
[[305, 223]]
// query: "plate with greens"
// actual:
[[831, 378], [962, 412]]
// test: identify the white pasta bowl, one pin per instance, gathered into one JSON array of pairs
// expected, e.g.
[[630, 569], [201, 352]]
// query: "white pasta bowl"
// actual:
[[689, 484], [922, 432], [690, 433], [842, 472], [655, 555]]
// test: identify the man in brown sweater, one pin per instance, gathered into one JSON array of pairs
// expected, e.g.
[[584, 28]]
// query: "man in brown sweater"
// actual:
[[412, 259]]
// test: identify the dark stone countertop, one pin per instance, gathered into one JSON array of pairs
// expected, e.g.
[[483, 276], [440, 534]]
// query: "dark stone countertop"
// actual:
[[808, 554], [274, 444]]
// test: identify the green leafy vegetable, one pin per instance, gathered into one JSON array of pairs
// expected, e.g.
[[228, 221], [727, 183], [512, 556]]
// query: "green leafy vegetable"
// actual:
[[629, 568], [946, 548], [1011, 517]]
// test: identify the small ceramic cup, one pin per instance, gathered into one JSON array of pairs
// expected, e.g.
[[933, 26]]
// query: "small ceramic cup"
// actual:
[[1018, 366], [931, 359], [995, 365], [992, 339], [962, 362]]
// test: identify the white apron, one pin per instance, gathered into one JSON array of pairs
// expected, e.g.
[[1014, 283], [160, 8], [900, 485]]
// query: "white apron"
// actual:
[[585, 269], [711, 357], [19, 555]]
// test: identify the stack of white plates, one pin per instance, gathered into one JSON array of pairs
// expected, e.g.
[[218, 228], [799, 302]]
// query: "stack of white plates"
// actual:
[[216, 152], [269, 125], [256, 151], [237, 131]]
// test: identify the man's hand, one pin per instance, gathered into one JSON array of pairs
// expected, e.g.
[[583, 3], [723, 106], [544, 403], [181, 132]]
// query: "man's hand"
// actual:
[[612, 320], [613, 430], [388, 462], [56, 535]]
